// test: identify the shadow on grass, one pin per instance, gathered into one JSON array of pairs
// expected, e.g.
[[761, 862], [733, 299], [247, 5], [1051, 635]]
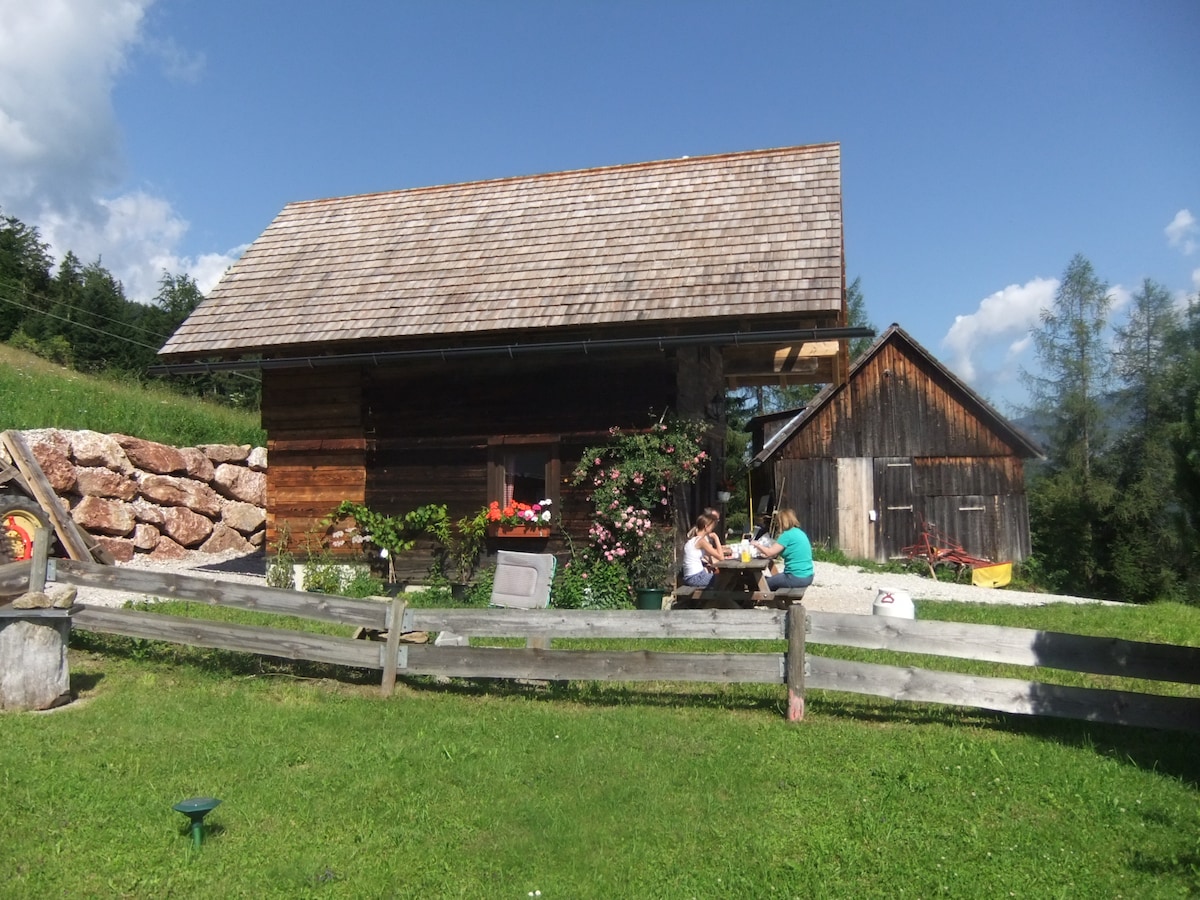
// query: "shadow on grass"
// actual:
[[85, 682], [1165, 752], [1183, 868], [1155, 750], [662, 694], [214, 662]]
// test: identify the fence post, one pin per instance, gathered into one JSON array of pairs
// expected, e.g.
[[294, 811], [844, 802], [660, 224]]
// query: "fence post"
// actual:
[[393, 646], [795, 661]]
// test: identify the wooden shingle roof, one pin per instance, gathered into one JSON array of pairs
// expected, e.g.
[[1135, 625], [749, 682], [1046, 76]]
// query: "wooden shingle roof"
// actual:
[[756, 233]]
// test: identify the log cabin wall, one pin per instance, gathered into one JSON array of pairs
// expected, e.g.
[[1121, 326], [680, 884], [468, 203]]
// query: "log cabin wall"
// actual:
[[900, 443], [435, 431], [316, 447]]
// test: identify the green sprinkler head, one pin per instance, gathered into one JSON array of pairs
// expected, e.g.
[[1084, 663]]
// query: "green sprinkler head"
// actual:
[[196, 809]]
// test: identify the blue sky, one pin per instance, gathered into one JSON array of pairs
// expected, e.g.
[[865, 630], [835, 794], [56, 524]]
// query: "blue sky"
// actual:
[[983, 144]]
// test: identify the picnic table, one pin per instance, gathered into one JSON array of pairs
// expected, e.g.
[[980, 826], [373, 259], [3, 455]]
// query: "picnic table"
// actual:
[[736, 585]]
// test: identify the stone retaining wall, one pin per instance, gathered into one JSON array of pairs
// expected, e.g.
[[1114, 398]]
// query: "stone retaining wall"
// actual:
[[138, 497]]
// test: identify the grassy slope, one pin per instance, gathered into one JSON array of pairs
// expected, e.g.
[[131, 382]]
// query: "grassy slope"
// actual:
[[35, 393]]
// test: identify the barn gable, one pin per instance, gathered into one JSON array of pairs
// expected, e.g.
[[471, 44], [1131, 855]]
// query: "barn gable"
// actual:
[[901, 442]]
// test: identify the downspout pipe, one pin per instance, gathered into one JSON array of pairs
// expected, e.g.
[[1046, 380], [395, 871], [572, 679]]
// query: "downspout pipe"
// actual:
[[586, 347]]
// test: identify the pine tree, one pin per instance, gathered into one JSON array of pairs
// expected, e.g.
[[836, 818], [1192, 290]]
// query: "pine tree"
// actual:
[[1143, 550], [24, 273], [1184, 435], [1068, 498]]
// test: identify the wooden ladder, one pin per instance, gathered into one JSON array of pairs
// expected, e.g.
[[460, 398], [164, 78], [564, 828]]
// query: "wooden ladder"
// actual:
[[29, 475]]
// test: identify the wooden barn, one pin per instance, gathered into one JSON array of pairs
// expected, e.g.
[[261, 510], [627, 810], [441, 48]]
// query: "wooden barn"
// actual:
[[462, 343], [900, 443]]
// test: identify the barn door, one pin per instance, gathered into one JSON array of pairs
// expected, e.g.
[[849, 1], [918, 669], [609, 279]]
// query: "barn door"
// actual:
[[895, 526]]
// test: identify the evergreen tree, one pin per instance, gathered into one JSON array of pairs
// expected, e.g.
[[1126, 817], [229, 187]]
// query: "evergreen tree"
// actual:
[[1184, 435], [98, 335], [24, 273], [1142, 558], [856, 316], [1067, 499]]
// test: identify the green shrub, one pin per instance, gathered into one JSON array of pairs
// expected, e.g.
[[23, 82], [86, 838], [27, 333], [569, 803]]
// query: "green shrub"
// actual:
[[363, 583], [590, 584]]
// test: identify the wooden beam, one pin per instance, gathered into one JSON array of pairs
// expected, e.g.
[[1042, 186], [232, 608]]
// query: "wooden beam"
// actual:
[[71, 535]]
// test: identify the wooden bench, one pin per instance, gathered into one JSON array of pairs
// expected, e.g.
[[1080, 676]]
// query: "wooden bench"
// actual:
[[689, 597]]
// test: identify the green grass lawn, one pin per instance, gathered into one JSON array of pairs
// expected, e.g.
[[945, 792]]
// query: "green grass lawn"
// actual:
[[490, 789]]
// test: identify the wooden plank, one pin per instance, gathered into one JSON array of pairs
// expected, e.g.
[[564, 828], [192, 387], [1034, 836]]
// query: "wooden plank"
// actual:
[[594, 665], [14, 578], [275, 642], [736, 624], [171, 585], [1007, 695], [11, 473], [64, 526], [1016, 646], [794, 674]]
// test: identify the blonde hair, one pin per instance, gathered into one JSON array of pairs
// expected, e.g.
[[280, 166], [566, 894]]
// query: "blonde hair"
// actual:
[[786, 518]]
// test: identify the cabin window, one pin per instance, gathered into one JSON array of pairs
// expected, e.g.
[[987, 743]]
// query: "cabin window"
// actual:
[[523, 470]]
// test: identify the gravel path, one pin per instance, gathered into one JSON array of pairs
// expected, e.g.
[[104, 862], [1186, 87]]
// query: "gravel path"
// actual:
[[848, 589], [842, 589]]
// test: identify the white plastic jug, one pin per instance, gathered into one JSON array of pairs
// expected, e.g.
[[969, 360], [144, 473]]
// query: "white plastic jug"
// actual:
[[897, 604]]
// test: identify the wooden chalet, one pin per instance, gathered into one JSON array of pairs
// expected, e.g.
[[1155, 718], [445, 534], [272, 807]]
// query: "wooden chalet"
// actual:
[[900, 443], [462, 343]]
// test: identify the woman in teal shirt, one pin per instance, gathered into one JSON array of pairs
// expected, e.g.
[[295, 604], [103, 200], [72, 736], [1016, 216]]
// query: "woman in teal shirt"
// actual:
[[796, 549]]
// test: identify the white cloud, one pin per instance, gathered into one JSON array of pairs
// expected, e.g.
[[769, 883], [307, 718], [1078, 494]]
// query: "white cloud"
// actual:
[[1183, 232], [61, 164], [179, 63], [1120, 297], [1003, 317]]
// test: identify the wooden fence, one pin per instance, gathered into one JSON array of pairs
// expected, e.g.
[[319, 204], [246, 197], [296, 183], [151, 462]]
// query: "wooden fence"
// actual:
[[793, 666]]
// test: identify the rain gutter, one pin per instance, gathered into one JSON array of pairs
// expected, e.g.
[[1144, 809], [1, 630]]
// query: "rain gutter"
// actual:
[[586, 347]]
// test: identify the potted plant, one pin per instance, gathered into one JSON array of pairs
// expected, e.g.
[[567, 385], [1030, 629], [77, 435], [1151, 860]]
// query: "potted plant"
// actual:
[[652, 569]]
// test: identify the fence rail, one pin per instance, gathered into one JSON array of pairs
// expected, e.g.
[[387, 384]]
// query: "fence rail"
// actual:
[[792, 666]]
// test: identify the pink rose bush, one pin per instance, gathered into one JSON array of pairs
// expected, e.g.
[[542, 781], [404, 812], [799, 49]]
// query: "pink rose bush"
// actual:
[[632, 478]]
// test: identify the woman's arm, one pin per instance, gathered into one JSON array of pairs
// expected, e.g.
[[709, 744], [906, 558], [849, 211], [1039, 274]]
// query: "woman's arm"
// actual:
[[769, 552], [710, 544]]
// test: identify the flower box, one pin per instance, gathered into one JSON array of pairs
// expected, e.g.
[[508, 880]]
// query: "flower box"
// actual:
[[496, 529]]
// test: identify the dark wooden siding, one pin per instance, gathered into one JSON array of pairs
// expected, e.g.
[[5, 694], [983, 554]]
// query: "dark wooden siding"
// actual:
[[896, 407], [978, 503], [950, 476], [401, 437], [810, 488], [316, 449]]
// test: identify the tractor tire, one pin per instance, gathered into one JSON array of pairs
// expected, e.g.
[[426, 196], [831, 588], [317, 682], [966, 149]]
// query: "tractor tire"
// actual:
[[20, 519]]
